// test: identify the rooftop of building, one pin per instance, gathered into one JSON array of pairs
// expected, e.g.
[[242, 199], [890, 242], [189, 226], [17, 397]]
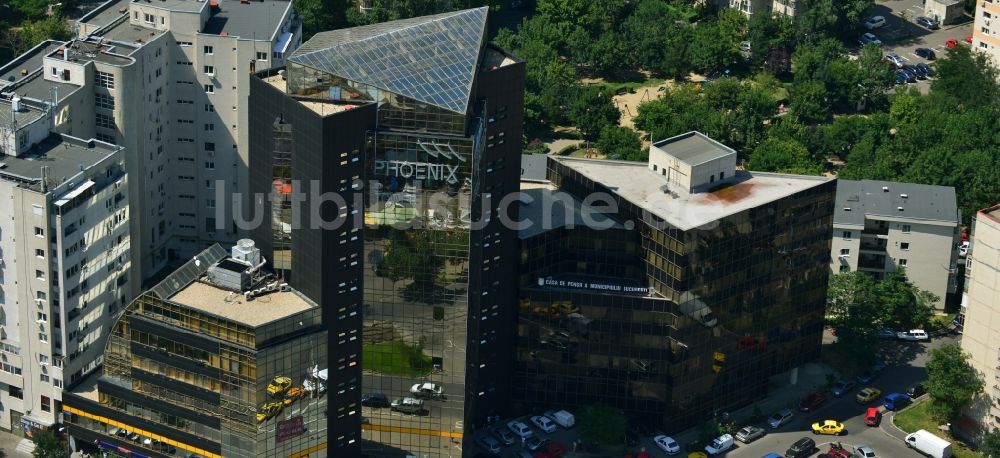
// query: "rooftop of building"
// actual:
[[693, 148], [859, 198], [27, 113], [495, 57], [125, 32], [992, 212], [35, 86], [534, 167], [106, 13], [64, 156], [183, 6], [634, 182], [31, 60], [83, 51], [543, 209], [254, 20], [87, 388], [319, 106], [432, 59]]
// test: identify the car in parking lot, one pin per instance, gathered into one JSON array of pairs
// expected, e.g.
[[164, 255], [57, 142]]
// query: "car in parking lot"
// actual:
[[864, 451], [951, 43], [885, 333], [930, 23], [779, 418], [925, 69], [535, 443], [895, 60], [520, 429], [408, 405], [667, 444], [868, 375], [836, 451], [874, 22], [842, 387], [916, 391], [895, 401], [719, 445], [900, 77], [375, 400], [750, 433], [867, 395], [801, 448], [812, 402], [829, 427], [915, 71], [926, 53], [489, 444], [544, 423], [910, 76], [551, 450], [913, 335], [504, 436], [873, 416], [428, 390], [869, 38]]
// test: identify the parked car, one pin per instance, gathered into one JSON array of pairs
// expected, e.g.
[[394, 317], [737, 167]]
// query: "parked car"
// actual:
[[667, 444], [719, 445], [779, 418], [520, 429], [929, 444], [408, 405], [535, 443], [750, 433], [885, 333], [428, 390], [867, 395], [829, 427], [968, 39], [913, 334], [489, 444], [377, 400], [874, 22], [866, 376], [895, 401], [801, 448], [836, 451], [873, 416], [551, 450], [926, 53], [869, 38], [930, 23], [503, 435], [916, 391], [910, 76], [812, 402], [864, 451], [916, 72], [544, 423], [842, 387], [894, 59], [951, 43], [963, 250], [900, 79], [562, 418]]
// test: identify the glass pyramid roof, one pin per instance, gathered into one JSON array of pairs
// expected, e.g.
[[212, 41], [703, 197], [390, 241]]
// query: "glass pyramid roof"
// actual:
[[431, 59]]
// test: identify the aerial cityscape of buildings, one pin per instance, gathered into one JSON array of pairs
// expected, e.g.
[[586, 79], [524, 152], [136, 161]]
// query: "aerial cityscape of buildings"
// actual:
[[225, 239]]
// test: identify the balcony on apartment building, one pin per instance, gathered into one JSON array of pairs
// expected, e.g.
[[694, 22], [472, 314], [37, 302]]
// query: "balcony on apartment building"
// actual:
[[875, 228], [874, 244], [871, 262]]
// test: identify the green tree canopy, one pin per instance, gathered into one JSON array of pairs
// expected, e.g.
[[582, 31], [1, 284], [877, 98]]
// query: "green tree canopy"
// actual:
[[785, 156], [951, 381], [602, 425], [593, 110], [808, 102], [967, 77], [853, 309], [991, 445], [47, 445], [621, 143]]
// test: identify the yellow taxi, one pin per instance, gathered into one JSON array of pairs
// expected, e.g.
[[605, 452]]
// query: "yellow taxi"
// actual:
[[829, 427], [293, 394], [279, 385], [868, 394], [697, 455], [268, 410]]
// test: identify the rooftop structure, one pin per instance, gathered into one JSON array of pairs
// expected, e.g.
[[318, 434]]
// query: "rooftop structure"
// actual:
[[533, 167], [432, 59], [35, 86], [692, 162], [213, 300], [320, 106], [254, 20], [552, 209], [105, 14], [27, 63], [855, 199], [693, 148], [25, 114], [634, 182], [82, 51], [63, 156], [125, 32]]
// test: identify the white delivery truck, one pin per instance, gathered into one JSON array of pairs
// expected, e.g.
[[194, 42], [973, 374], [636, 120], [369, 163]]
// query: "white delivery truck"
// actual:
[[929, 444]]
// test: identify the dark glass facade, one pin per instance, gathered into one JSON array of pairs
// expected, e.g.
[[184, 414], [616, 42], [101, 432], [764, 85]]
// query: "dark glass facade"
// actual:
[[728, 306]]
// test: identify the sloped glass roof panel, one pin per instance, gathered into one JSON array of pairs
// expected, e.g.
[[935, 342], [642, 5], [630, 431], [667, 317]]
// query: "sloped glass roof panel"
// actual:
[[432, 59], [189, 272]]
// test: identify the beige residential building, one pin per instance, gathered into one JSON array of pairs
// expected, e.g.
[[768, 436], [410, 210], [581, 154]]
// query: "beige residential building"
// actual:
[[785, 7], [981, 332], [986, 31], [882, 226]]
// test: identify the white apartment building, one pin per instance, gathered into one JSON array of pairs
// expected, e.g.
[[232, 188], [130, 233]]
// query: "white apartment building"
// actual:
[[986, 34], [64, 259], [981, 332], [168, 80], [785, 7], [882, 226]]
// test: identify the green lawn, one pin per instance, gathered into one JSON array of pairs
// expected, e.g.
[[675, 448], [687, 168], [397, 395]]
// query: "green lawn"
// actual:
[[919, 417], [396, 358]]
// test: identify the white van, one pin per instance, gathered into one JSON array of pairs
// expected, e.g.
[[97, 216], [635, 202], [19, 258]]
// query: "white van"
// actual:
[[562, 418], [929, 444]]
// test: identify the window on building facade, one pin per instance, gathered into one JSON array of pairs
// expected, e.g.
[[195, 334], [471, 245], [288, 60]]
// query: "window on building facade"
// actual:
[[209, 70], [847, 234], [906, 228], [209, 50], [902, 262], [261, 55], [210, 89], [904, 246], [105, 121], [104, 101], [104, 79]]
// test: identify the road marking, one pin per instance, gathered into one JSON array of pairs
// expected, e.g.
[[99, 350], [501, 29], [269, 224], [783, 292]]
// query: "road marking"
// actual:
[[458, 424], [406, 430]]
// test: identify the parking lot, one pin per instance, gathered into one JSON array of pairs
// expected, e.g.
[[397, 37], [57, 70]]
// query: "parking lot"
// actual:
[[901, 35], [561, 435]]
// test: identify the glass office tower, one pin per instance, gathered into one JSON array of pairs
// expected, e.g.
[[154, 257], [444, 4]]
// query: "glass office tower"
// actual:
[[430, 104]]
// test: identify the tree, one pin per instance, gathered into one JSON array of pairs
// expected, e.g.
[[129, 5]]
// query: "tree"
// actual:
[[50, 28], [785, 156], [562, 14], [621, 143], [967, 77], [990, 447], [47, 445], [29, 9], [320, 15], [951, 381], [709, 51], [593, 110], [906, 306], [602, 425], [854, 311], [768, 33], [808, 102]]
